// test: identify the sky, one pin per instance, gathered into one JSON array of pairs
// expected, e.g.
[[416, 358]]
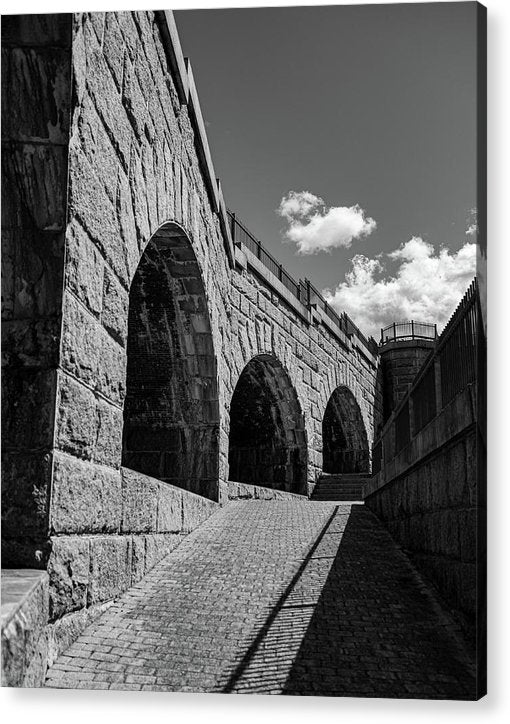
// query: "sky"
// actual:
[[345, 139]]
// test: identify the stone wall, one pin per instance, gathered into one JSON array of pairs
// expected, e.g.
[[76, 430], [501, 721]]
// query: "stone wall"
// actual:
[[429, 465], [93, 559], [44, 612], [316, 359], [133, 170], [401, 361], [432, 500], [25, 640], [36, 98], [134, 181], [242, 491]]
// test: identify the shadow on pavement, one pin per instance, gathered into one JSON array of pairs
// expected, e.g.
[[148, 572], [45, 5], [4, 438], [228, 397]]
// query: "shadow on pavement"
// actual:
[[357, 620]]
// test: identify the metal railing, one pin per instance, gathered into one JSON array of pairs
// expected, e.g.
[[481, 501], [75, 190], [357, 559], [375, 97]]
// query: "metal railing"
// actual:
[[450, 368], [424, 400], [456, 349], [303, 291], [402, 428], [408, 330], [241, 235]]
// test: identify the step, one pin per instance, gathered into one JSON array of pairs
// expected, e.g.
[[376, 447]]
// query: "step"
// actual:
[[345, 475], [351, 477], [334, 491], [358, 491], [338, 486], [334, 498], [329, 486]]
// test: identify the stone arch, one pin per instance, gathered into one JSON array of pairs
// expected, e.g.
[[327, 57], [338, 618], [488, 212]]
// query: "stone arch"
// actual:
[[171, 410], [267, 440], [344, 437]]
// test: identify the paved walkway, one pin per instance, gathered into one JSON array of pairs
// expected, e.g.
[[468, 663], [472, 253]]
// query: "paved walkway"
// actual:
[[283, 597]]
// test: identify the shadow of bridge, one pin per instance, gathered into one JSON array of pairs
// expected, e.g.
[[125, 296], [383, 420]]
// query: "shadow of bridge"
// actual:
[[357, 620]]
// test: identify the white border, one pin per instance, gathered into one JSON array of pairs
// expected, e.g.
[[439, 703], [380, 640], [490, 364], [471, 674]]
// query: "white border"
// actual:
[[42, 706]]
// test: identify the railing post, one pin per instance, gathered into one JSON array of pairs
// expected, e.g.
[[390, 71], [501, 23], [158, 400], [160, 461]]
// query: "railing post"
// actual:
[[394, 331], [280, 272], [412, 328], [259, 252]]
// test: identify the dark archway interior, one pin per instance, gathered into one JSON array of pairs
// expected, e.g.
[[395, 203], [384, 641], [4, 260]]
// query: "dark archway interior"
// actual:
[[171, 412], [344, 438], [267, 444]]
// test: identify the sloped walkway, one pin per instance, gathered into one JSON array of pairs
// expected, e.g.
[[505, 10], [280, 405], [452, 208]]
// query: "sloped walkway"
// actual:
[[287, 597]]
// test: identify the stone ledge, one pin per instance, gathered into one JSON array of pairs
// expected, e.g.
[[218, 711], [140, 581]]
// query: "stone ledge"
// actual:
[[242, 491], [88, 569], [24, 621], [151, 506]]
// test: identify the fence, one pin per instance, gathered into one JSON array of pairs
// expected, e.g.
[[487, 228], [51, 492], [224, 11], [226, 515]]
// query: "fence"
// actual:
[[241, 235], [424, 399], [402, 428], [449, 369], [408, 330], [457, 347], [304, 291]]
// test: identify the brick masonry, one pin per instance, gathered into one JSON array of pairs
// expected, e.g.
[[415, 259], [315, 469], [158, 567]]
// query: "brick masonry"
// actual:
[[281, 597]]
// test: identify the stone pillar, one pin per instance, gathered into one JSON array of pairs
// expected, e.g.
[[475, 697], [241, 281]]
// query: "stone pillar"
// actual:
[[401, 360], [36, 93]]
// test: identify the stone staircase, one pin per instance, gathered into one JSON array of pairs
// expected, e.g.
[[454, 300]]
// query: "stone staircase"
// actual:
[[344, 486]]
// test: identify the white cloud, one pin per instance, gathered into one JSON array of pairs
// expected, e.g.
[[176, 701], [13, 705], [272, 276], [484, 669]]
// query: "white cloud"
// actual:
[[426, 287], [472, 224], [314, 227]]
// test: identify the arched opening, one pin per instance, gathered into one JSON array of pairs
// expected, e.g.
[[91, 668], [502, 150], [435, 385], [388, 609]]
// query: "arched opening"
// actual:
[[344, 438], [267, 444], [171, 412]]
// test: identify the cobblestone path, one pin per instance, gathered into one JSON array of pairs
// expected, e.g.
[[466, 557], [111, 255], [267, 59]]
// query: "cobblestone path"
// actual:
[[286, 597]]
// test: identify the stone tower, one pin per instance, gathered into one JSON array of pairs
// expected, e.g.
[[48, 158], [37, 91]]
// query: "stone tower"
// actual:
[[403, 348]]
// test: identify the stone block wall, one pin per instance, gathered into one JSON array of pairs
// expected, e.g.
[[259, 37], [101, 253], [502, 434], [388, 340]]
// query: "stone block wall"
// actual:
[[431, 499], [242, 491], [401, 361], [98, 552], [133, 167], [25, 639], [36, 99], [317, 363], [114, 155]]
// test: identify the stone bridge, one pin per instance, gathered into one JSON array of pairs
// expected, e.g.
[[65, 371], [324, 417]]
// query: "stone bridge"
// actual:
[[157, 361], [137, 331]]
